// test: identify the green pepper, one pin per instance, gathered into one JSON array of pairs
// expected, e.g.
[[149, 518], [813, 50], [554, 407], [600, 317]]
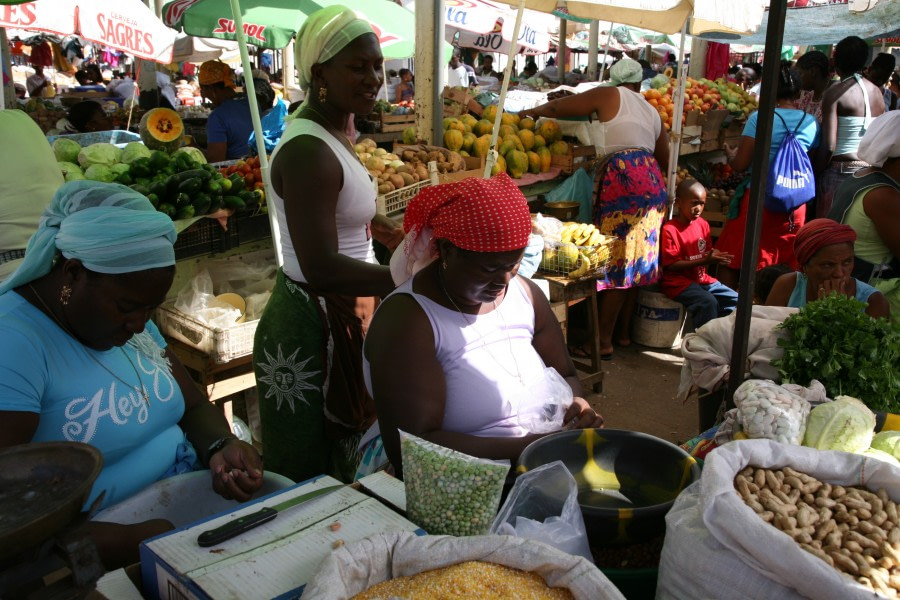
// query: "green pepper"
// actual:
[[167, 209], [185, 212]]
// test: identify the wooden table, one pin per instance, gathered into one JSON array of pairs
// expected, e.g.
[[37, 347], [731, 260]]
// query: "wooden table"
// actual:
[[564, 293]]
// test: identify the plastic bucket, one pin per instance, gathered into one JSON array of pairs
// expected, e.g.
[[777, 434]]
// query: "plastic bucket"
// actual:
[[657, 320]]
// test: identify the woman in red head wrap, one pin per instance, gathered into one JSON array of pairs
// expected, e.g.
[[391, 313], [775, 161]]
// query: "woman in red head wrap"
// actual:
[[454, 354], [824, 249]]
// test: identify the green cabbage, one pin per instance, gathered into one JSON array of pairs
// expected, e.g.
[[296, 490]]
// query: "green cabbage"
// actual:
[[68, 167], [845, 424], [100, 153], [66, 150], [120, 168], [887, 441], [74, 176], [195, 153], [133, 151], [882, 456], [100, 173]]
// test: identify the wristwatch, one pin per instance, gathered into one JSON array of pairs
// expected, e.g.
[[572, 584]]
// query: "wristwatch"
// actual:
[[218, 445]]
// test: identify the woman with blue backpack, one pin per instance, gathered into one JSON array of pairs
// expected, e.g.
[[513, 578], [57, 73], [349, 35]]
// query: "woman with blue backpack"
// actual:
[[790, 183]]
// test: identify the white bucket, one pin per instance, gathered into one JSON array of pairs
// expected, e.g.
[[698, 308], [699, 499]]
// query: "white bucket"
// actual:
[[657, 320]]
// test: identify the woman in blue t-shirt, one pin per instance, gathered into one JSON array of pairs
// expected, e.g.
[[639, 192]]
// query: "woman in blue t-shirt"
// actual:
[[776, 244], [80, 360]]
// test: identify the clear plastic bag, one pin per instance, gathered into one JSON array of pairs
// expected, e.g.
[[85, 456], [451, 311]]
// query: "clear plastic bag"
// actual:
[[448, 492], [548, 396], [765, 410], [543, 506]]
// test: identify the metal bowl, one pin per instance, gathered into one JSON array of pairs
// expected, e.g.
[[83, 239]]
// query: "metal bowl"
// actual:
[[627, 481], [564, 211], [42, 489]]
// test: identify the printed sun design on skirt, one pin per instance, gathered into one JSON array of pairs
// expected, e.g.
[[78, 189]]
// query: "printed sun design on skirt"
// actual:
[[286, 378]]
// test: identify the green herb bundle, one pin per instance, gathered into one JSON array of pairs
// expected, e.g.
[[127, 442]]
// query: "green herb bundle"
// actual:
[[852, 354]]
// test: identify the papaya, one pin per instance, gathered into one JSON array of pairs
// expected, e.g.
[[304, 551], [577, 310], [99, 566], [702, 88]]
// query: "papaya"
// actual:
[[409, 135], [527, 138], [508, 118], [482, 146], [516, 163], [506, 146], [469, 121], [483, 127], [468, 141], [499, 166], [161, 129], [506, 130], [546, 158], [516, 141], [526, 123], [549, 130], [534, 162], [453, 139], [539, 141], [490, 112], [559, 148]]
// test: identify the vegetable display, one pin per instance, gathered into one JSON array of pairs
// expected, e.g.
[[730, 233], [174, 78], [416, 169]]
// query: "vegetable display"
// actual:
[[852, 354], [853, 529]]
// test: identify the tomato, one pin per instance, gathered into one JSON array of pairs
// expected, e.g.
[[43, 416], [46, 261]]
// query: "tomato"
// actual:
[[258, 185], [256, 173], [249, 178], [244, 168]]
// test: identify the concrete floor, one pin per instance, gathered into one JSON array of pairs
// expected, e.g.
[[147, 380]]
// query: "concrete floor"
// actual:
[[639, 388]]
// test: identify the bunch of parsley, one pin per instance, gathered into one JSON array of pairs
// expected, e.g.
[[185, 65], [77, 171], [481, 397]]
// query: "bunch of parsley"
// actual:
[[852, 354]]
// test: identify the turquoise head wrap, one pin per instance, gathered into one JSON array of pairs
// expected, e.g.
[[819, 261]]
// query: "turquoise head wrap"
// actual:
[[109, 227]]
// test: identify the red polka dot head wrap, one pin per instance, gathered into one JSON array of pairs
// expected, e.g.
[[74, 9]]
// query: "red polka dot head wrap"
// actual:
[[817, 234], [481, 215]]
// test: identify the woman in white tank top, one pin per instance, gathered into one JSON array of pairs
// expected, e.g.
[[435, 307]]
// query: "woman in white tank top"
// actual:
[[307, 350], [451, 355]]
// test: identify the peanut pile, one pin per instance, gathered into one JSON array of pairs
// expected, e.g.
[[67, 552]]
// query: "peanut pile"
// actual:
[[853, 529]]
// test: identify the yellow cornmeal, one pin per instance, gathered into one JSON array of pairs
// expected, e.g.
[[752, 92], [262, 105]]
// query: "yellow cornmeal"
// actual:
[[474, 579]]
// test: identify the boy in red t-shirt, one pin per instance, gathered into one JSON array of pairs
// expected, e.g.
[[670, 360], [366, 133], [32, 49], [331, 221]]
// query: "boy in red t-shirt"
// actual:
[[686, 249]]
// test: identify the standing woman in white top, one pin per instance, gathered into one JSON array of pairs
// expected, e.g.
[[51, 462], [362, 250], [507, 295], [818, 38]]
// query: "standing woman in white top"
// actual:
[[307, 351], [630, 193]]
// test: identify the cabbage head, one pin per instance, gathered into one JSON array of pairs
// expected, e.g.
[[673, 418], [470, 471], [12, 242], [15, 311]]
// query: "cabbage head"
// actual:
[[882, 456], [68, 167], [845, 424], [887, 441], [66, 150], [74, 176], [120, 168], [100, 153], [195, 153], [100, 173], [133, 151]]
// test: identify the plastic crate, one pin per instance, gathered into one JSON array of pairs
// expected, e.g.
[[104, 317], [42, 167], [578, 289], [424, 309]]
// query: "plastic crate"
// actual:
[[221, 345], [251, 227], [563, 258], [396, 201], [205, 237]]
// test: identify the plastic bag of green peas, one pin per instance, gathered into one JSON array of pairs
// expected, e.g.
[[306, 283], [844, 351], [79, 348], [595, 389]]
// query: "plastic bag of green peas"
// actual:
[[448, 492]]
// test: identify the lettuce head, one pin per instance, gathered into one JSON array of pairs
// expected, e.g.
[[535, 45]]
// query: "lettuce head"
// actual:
[[66, 150], [845, 424], [100, 153], [887, 441], [133, 151]]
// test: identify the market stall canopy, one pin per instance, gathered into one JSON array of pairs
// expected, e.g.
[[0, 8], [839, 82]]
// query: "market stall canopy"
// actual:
[[196, 49], [534, 37], [740, 17], [826, 22], [273, 23], [126, 25]]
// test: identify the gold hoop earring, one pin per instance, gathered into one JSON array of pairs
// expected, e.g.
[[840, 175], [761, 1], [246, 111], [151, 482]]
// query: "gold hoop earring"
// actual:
[[64, 294], [323, 94], [444, 265]]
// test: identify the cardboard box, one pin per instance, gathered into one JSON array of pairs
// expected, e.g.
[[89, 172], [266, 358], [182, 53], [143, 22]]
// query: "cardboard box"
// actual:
[[712, 123], [273, 560], [709, 145], [458, 102]]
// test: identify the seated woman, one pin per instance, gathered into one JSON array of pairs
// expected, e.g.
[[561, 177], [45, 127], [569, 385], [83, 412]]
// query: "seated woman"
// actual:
[[824, 249], [405, 90], [80, 360], [449, 354], [87, 116], [869, 202]]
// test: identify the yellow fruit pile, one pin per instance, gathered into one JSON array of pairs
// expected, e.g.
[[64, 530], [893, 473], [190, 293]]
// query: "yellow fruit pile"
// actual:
[[581, 251]]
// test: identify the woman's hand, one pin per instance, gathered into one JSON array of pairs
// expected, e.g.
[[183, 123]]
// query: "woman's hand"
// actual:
[[841, 286], [730, 151], [387, 231], [580, 415], [236, 471]]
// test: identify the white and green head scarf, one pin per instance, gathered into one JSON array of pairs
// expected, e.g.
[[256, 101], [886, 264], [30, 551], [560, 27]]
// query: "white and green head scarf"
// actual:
[[109, 227], [325, 33]]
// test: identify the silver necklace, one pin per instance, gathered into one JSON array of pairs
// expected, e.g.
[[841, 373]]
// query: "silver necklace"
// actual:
[[137, 388], [518, 373]]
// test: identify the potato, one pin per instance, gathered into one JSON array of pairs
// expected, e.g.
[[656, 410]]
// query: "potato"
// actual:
[[397, 181], [385, 188], [407, 178]]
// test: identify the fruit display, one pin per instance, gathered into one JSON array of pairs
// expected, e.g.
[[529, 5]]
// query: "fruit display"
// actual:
[[410, 166], [523, 147], [248, 169], [179, 184], [699, 95], [404, 107], [581, 251], [162, 129], [46, 114]]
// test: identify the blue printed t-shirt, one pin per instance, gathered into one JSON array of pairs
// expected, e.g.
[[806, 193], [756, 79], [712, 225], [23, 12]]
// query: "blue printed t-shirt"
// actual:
[[231, 122], [44, 370], [807, 134]]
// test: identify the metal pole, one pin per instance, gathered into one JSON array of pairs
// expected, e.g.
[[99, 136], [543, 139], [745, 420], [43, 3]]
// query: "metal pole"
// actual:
[[606, 51], [593, 38], [675, 141], [760, 166], [561, 51]]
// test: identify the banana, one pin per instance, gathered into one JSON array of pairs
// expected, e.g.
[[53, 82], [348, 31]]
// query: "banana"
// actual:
[[585, 235], [595, 238], [583, 269], [565, 234]]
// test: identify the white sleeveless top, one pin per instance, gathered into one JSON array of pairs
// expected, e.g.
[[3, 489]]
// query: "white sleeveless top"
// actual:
[[636, 125], [355, 206], [482, 357]]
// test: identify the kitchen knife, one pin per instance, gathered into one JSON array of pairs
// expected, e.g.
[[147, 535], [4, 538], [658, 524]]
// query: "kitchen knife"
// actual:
[[264, 515]]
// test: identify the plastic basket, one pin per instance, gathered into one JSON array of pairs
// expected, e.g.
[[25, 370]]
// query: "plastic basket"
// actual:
[[221, 345], [204, 237], [396, 201], [568, 259], [251, 227]]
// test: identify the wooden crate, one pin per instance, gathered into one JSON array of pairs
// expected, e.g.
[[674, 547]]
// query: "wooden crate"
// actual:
[[716, 222], [569, 162], [393, 123]]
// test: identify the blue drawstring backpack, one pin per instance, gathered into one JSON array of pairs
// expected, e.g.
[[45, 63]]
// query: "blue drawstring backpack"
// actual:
[[790, 183]]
